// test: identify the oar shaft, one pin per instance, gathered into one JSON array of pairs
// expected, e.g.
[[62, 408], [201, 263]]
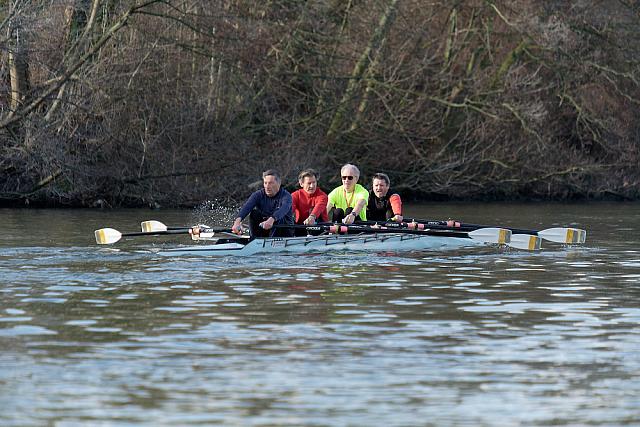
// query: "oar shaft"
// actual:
[[175, 231], [464, 226], [368, 229], [356, 228], [155, 233], [432, 225], [153, 226], [213, 230]]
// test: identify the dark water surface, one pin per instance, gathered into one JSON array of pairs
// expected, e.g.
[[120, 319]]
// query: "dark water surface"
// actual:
[[481, 336]]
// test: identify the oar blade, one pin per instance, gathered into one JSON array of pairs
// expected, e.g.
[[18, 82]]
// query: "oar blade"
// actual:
[[564, 235], [527, 242], [106, 236], [152, 226], [491, 235]]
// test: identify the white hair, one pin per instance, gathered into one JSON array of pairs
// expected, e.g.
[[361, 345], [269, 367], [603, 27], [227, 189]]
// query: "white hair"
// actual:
[[350, 166]]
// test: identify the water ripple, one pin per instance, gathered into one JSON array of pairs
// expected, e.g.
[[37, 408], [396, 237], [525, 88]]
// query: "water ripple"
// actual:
[[481, 336]]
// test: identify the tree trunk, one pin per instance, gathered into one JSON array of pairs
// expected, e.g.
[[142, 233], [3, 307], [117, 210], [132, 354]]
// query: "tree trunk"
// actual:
[[362, 67], [18, 73]]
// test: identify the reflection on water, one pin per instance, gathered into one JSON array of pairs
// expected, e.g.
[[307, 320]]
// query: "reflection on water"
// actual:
[[484, 336]]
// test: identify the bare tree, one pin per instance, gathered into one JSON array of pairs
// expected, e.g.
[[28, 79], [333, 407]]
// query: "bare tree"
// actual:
[[169, 102]]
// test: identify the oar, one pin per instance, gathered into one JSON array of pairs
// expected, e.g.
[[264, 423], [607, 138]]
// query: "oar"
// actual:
[[205, 232], [486, 235], [153, 225], [519, 241], [567, 235], [433, 225], [106, 236]]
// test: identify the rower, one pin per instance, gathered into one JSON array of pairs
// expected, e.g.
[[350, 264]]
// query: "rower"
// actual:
[[309, 202], [266, 207], [381, 205], [348, 201]]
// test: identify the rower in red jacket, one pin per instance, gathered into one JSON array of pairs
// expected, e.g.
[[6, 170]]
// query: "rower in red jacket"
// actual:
[[309, 202]]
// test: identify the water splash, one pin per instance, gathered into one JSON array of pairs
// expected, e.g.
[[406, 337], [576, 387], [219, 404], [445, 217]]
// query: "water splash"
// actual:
[[215, 213]]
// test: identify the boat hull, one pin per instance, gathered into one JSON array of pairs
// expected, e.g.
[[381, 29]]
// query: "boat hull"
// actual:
[[324, 243]]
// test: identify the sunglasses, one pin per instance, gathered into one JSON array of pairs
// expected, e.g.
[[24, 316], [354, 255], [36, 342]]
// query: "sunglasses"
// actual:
[[347, 177]]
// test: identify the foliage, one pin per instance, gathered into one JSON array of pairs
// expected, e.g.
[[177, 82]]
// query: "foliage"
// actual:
[[170, 102]]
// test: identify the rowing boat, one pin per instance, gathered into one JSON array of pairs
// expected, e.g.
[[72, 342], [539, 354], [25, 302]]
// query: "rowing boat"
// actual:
[[347, 238], [365, 242]]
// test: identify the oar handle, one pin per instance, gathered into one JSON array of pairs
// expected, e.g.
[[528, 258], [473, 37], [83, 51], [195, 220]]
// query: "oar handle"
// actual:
[[178, 230]]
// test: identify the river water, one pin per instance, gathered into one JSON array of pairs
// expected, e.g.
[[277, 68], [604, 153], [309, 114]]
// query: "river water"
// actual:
[[483, 336]]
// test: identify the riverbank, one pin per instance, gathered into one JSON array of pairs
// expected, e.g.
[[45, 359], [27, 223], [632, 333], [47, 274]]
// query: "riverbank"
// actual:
[[499, 100]]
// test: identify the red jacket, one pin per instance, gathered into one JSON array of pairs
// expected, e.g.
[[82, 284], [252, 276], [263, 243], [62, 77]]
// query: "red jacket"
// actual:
[[305, 205]]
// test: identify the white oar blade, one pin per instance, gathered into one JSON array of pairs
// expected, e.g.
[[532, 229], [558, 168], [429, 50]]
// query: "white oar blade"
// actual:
[[564, 235], [491, 235], [152, 226], [106, 236], [526, 242]]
